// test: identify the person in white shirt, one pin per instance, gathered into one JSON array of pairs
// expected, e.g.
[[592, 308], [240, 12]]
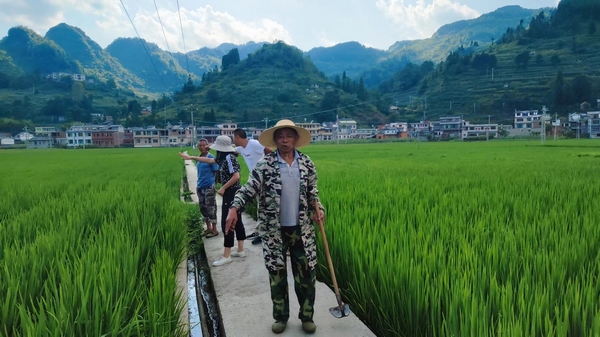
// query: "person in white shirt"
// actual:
[[252, 151]]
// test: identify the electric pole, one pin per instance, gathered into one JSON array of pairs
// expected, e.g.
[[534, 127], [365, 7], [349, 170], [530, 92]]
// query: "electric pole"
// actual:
[[487, 138], [266, 120], [193, 127], [337, 133]]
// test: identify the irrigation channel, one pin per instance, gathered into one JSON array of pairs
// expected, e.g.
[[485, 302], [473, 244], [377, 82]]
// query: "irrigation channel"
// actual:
[[204, 314]]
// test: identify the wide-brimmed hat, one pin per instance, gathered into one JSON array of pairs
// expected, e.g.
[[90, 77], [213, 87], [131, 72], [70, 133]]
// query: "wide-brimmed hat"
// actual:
[[266, 138], [223, 144]]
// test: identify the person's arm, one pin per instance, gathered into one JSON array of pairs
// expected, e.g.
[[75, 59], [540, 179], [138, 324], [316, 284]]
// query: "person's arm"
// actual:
[[247, 192], [203, 159], [313, 193], [266, 150], [234, 178]]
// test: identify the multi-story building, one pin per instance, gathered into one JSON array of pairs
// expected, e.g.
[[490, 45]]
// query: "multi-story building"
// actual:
[[366, 133], [227, 129], [419, 129], [528, 119], [401, 126], [388, 132], [313, 128], [150, 137], [79, 135], [179, 135], [108, 136], [450, 127], [44, 142], [210, 133], [326, 132], [479, 130], [347, 127], [57, 137], [593, 122]]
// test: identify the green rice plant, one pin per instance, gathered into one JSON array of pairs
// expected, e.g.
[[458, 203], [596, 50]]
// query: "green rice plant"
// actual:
[[464, 239], [90, 242]]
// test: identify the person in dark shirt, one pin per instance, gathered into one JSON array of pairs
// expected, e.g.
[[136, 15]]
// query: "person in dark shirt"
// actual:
[[229, 172]]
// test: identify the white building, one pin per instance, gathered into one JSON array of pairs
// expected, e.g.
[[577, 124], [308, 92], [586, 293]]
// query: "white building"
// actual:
[[79, 135], [7, 141], [479, 130], [528, 119], [23, 136]]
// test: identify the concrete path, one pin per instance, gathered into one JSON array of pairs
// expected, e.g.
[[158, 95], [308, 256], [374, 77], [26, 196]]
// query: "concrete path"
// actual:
[[243, 293]]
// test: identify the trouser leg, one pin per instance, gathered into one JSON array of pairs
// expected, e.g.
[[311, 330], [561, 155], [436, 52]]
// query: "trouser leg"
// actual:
[[304, 277], [279, 295]]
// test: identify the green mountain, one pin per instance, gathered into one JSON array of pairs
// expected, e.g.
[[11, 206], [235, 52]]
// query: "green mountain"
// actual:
[[159, 70], [31, 52], [275, 82], [206, 59], [551, 59], [350, 57], [96, 61], [376, 66]]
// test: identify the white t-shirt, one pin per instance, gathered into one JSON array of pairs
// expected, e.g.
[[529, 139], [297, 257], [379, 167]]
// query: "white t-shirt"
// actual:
[[252, 152]]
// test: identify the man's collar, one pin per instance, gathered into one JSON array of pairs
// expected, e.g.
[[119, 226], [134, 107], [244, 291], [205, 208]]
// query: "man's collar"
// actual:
[[296, 156]]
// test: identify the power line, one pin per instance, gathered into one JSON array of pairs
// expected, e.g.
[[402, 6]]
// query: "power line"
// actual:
[[163, 30], [143, 45], [183, 37], [165, 35], [312, 113]]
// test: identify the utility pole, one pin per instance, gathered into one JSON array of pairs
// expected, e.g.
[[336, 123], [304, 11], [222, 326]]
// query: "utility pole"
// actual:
[[487, 138], [492, 74], [474, 108], [193, 127], [337, 133], [26, 136], [266, 120], [555, 124]]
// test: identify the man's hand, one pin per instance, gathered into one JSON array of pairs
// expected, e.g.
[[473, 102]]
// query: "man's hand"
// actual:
[[318, 216], [231, 220], [221, 191], [184, 156]]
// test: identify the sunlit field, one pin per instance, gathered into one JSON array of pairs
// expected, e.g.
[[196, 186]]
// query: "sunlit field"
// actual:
[[428, 239]]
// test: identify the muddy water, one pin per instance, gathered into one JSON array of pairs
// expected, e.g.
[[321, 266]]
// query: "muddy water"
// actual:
[[205, 315]]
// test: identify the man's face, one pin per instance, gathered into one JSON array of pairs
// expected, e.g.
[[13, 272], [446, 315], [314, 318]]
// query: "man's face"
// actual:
[[203, 147], [237, 140], [286, 139]]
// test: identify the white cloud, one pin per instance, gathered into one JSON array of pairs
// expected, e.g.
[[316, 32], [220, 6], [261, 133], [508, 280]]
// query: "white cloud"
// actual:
[[423, 19], [204, 27]]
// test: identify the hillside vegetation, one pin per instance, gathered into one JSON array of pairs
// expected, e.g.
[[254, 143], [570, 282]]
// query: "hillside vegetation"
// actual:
[[275, 82], [553, 61]]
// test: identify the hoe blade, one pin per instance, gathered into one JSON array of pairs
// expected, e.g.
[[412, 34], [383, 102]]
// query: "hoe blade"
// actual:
[[340, 311]]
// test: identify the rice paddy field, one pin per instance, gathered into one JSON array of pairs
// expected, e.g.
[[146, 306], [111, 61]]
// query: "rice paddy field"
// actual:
[[432, 239], [90, 241]]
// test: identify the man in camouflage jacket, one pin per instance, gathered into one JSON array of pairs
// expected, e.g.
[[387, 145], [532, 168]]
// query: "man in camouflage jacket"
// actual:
[[265, 181]]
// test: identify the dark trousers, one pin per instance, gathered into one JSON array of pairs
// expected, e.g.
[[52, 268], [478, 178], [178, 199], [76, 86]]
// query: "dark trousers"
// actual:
[[304, 279], [240, 232]]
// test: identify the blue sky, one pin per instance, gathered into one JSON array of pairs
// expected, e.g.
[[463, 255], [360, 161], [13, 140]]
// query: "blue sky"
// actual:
[[303, 23]]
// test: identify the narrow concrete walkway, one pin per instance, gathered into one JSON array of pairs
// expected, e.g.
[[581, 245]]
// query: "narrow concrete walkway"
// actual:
[[244, 297]]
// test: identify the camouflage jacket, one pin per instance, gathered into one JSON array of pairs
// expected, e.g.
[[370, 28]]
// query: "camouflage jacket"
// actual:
[[265, 182]]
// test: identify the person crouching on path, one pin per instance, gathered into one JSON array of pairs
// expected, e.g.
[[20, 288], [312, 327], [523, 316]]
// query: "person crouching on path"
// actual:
[[285, 182], [230, 179], [205, 188]]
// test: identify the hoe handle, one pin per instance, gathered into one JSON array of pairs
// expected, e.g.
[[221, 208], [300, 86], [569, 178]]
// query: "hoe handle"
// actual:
[[322, 229]]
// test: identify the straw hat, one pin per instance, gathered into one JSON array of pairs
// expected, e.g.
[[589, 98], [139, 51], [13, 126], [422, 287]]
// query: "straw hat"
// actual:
[[223, 144], [266, 138]]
